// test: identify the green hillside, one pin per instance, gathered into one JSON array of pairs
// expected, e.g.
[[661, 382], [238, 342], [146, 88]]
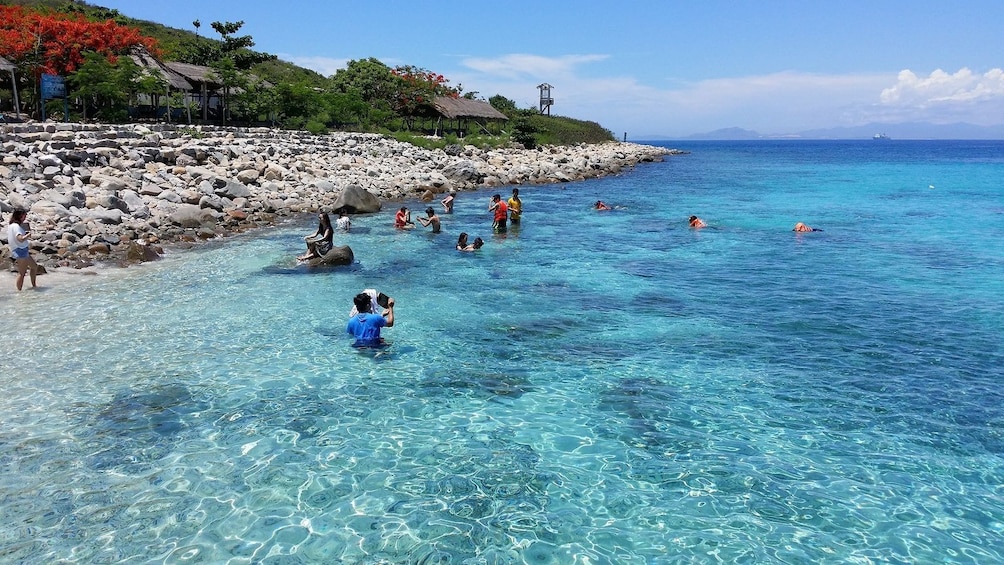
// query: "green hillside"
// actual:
[[304, 99]]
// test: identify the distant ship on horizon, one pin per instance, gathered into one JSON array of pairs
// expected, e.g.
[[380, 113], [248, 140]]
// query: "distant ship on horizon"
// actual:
[[880, 136]]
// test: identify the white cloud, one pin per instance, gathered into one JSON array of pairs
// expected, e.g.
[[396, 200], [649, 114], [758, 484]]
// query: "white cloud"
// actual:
[[941, 87], [774, 103], [324, 65], [782, 102], [522, 65]]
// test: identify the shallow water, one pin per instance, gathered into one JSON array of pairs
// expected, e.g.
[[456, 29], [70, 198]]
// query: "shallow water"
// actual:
[[594, 387]]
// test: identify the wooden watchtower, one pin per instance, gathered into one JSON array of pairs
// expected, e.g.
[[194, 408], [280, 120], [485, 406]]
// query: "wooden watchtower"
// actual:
[[545, 98]]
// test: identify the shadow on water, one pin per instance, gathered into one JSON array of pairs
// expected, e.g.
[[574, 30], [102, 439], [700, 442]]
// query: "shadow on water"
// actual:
[[480, 384], [293, 268], [140, 426], [652, 417]]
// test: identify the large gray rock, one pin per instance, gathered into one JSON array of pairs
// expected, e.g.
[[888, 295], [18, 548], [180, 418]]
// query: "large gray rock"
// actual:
[[192, 216], [356, 200], [337, 256]]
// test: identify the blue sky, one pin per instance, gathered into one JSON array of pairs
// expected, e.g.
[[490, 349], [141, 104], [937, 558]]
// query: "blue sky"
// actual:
[[669, 68]]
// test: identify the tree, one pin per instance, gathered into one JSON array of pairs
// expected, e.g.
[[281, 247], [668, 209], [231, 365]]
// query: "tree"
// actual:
[[55, 43], [372, 80], [504, 105], [416, 88], [229, 46], [107, 89], [523, 129]]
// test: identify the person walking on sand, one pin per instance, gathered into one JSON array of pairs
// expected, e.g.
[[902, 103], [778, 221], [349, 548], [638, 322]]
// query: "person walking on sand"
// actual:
[[17, 238], [515, 207], [431, 220], [448, 202], [365, 325], [500, 210]]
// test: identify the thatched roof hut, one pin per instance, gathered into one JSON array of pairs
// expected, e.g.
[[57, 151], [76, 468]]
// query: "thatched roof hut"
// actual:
[[463, 110], [6, 65], [144, 59], [198, 75]]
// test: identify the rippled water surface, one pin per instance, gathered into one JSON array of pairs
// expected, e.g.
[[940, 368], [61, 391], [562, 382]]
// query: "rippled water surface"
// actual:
[[596, 387]]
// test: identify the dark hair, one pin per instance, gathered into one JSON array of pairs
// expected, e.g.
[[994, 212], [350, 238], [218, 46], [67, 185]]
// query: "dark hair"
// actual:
[[430, 211], [324, 222], [18, 215], [515, 192], [362, 302], [496, 197], [462, 240], [692, 218], [478, 242]]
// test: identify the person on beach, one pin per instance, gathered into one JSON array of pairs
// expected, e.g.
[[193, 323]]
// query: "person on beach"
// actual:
[[319, 242], [515, 207], [601, 205], [448, 202], [696, 222], [17, 237], [402, 219], [431, 220], [501, 213], [800, 227], [365, 325], [343, 222]]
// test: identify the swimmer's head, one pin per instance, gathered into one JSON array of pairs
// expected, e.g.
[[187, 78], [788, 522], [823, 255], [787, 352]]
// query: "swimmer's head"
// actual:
[[362, 302]]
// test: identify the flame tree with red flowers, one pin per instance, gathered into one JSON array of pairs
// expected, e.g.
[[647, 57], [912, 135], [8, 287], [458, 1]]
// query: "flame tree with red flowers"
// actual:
[[416, 89], [56, 43]]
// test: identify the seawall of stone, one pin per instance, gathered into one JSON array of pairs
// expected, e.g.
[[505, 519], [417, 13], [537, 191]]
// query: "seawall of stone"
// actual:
[[117, 193]]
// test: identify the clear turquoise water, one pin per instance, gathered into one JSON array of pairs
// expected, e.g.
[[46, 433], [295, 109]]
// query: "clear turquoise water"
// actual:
[[596, 388]]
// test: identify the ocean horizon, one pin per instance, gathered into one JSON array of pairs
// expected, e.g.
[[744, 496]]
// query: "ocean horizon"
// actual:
[[590, 387]]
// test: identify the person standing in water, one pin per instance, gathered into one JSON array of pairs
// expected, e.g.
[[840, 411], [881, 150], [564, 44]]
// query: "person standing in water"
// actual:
[[448, 202], [431, 220], [500, 210], [515, 207], [365, 324], [17, 238]]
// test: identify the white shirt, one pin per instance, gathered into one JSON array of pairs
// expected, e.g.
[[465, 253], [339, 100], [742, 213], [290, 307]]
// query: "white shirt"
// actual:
[[13, 231], [343, 223]]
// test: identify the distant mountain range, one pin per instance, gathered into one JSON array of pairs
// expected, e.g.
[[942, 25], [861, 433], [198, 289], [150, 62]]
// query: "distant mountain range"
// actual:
[[913, 130]]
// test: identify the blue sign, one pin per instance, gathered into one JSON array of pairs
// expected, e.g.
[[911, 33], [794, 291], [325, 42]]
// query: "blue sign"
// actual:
[[53, 86]]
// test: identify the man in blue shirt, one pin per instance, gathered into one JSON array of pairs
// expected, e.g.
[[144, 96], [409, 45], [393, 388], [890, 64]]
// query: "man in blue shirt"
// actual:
[[365, 326]]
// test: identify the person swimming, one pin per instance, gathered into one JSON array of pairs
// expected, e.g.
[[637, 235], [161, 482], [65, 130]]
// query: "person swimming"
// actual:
[[696, 222], [800, 227], [601, 205]]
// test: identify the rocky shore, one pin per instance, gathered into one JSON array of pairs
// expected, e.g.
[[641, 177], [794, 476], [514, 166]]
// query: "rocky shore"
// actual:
[[104, 193]]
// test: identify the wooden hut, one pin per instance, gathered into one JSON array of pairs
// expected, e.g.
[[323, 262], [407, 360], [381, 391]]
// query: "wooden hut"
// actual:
[[173, 79], [205, 83], [462, 111], [7, 66]]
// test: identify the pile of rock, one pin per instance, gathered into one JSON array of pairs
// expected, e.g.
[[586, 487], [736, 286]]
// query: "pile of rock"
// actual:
[[101, 192]]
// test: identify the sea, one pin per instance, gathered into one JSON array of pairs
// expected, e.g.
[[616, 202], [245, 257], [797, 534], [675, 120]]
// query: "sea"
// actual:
[[592, 387]]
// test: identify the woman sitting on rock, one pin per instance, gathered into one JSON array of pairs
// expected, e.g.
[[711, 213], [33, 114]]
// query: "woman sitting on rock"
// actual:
[[321, 241]]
